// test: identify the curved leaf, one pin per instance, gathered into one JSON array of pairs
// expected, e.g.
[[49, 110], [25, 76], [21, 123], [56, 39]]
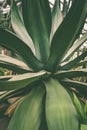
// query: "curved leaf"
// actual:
[[37, 19], [20, 81], [56, 18], [60, 111], [13, 64], [74, 62], [6, 95], [71, 74], [80, 86], [66, 33], [79, 107], [6, 77], [13, 67], [9, 59], [75, 47], [28, 113], [75, 83], [12, 42], [19, 27]]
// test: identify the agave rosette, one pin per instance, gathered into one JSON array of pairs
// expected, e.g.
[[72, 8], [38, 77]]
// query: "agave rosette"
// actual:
[[44, 41]]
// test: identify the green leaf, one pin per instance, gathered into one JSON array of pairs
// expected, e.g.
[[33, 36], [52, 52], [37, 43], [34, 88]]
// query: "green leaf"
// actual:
[[1, 72], [28, 113], [9, 59], [60, 111], [21, 81], [37, 19], [75, 83], [56, 18], [4, 96], [19, 27], [80, 86], [70, 73], [7, 77], [75, 47], [13, 64], [66, 33], [12, 42], [82, 63], [79, 107], [13, 67], [83, 127], [85, 113], [74, 62]]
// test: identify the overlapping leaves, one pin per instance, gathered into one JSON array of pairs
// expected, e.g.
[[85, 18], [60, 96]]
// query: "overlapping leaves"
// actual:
[[53, 37]]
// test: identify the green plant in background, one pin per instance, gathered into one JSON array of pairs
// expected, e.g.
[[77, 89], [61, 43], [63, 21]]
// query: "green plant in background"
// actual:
[[44, 41], [5, 20], [1, 72]]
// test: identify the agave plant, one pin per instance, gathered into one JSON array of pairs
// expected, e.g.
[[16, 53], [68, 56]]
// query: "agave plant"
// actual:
[[44, 42]]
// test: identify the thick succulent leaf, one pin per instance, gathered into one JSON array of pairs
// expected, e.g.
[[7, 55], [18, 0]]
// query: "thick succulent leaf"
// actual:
[[19, 27], [66, 33], [13, 64], [56, 18], [71, 73], [9, 59], [75, 47], [37, 19], [28, 113], [60, 111], [74, 62], [6, 77], [13, 67], [12, 42], [21, 81]]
